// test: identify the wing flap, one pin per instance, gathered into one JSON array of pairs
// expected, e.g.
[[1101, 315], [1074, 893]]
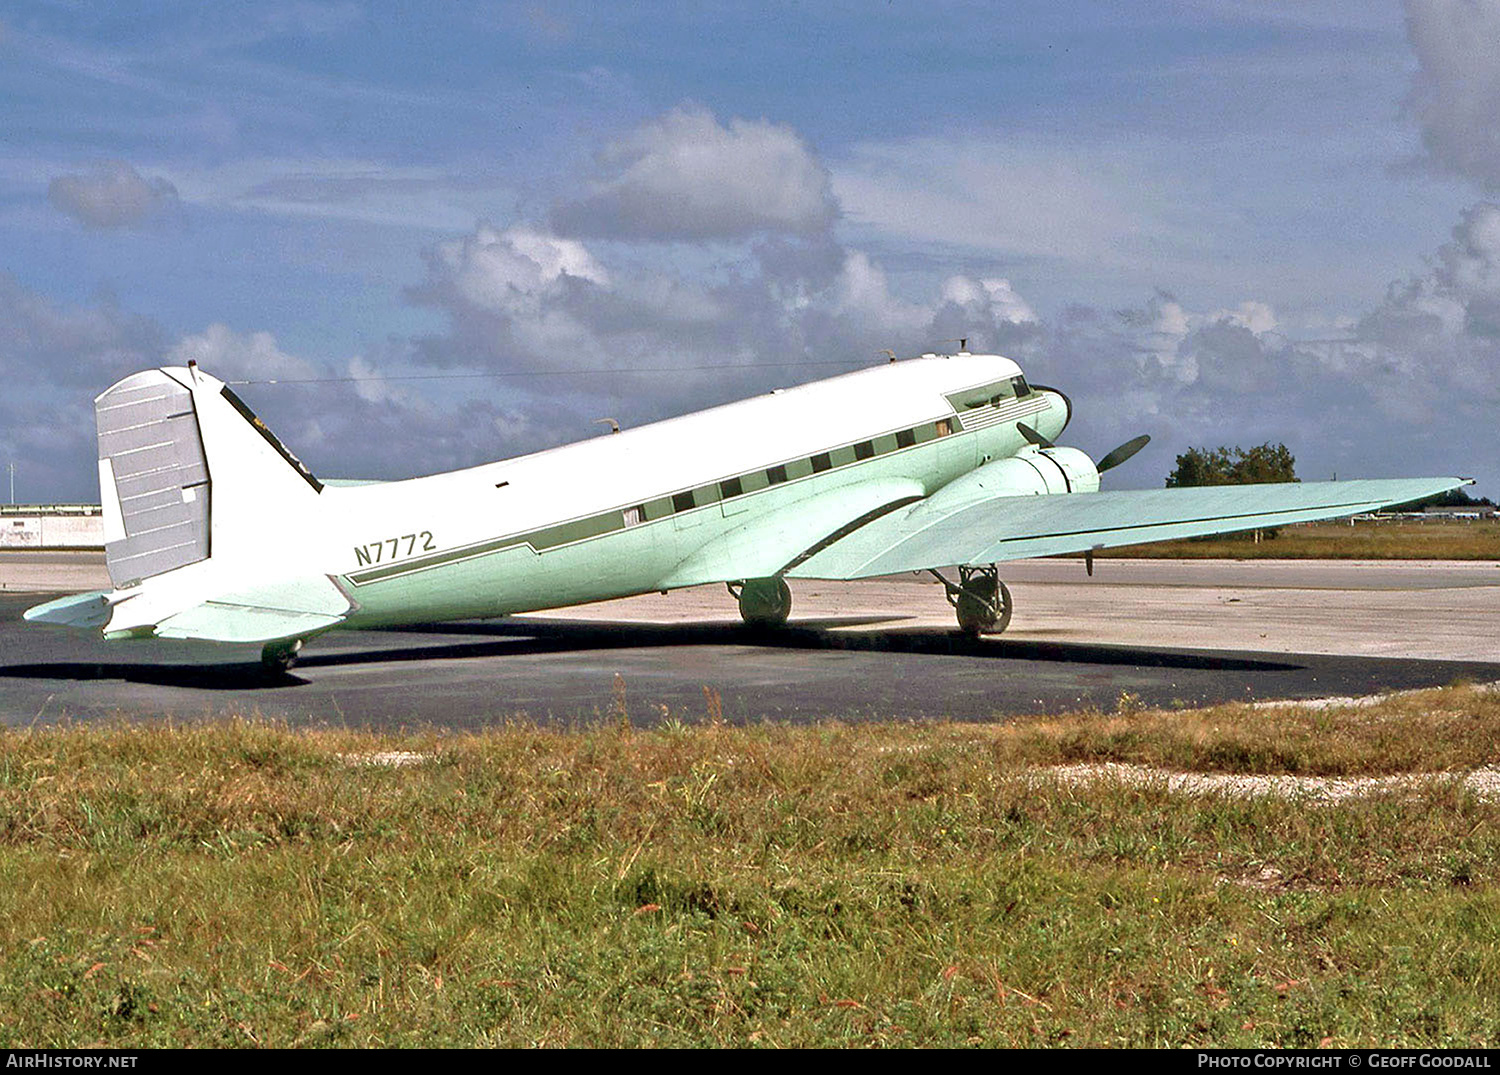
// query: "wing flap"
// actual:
[[1015, 528], [769, 543]]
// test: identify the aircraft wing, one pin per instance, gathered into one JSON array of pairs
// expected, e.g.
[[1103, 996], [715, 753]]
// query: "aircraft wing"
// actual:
[[931, 535]]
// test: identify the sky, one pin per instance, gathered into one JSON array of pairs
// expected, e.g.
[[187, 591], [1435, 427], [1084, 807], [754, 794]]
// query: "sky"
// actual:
[[454, 233]]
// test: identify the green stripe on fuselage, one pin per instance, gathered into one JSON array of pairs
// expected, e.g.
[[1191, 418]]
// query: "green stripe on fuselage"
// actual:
[[657, 509]]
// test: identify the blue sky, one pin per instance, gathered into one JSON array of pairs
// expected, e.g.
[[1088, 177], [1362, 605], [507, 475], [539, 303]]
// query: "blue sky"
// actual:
[[1160, 208]]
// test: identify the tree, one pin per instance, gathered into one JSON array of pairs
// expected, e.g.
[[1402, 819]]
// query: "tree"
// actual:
[[1234, 466], [1453, 498]]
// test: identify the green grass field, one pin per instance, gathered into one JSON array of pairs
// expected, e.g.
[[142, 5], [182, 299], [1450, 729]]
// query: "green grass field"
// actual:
[[1407, 540], [698, 884]]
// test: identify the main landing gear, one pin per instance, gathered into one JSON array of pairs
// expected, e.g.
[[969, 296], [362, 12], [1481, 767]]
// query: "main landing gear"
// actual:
[[763, 602], [277, 658], [981, 600]]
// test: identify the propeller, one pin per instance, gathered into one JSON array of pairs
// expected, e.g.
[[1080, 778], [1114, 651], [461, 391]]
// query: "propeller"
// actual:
[[1109, 462], [1122, 453], [1033, 436]]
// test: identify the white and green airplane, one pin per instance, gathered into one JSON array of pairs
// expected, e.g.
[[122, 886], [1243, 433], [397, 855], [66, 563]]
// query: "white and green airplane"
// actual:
[[215, 531]]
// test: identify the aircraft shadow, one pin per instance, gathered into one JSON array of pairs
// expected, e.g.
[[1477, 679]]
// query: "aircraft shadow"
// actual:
[[557, 636], [243, 676], [535, 637]]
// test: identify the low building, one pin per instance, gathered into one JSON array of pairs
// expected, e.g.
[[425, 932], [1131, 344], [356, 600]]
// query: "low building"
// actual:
[[51, 526]]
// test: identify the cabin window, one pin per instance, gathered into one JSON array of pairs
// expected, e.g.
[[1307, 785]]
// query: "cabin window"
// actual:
[[944, 427], [821, 462], [864, 449], [906, 438], [730, 487], [635, 516], [683, 502], [776, 475]]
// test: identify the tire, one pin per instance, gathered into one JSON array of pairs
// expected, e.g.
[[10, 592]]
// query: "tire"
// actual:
[[278, 658], [984, 608], [765, 602]]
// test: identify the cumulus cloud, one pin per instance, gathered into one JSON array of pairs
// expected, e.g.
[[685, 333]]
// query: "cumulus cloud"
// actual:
[[47, 343], [111, 195], [993, 294], [510, 271], [352, 419], [230, 355], [1412, 390], [685, 176], [54, 359], [525, 301], [344, 420], [1456, 94]]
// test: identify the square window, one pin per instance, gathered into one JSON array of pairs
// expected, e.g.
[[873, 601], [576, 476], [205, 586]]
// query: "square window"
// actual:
[[822, 462], [634, 516], [730, 487], [864, 449], [1020, 385], [906, 438], [682, 502], [776, 475], [944, 427]]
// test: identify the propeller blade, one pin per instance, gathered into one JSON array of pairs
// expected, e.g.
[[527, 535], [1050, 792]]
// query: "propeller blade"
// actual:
[[1122, 453], [1033, 436]]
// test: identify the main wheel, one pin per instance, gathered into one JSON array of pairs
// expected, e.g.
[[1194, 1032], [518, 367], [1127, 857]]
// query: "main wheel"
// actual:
[[984, 606], [765, 602], [277, 658]]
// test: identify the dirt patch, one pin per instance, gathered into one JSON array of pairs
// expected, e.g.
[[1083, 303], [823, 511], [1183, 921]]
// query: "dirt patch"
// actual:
[[1484, 783]]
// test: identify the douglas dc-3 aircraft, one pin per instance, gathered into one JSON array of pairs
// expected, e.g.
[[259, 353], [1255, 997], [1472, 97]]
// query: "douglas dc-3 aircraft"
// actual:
[[215, 531]]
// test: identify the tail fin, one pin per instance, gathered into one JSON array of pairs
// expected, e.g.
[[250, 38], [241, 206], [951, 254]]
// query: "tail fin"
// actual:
[[187, 472]]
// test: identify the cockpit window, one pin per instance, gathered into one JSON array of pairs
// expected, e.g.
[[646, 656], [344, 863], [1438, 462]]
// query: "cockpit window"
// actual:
[[1021, 387]]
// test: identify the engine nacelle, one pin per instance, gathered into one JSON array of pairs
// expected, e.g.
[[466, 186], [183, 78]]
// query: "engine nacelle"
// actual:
[[1030, 472], [1080, 475]]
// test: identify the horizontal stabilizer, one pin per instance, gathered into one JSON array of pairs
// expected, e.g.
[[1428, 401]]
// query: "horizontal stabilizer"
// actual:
[[1019, 527], [291, 609], [75, 610]]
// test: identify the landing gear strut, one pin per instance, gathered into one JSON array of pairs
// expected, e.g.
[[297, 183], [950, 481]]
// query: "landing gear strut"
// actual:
[[277, 658], [981, 600], [763, 602]]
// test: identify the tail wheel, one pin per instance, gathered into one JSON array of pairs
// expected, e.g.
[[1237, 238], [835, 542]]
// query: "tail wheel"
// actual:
[[277, 658], [765, 602]]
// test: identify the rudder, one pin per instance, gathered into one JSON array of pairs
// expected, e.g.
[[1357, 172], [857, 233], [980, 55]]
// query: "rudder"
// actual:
[[153, 477]]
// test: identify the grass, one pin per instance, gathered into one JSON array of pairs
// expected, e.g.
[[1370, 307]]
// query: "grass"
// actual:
[[701, 884], [1411, 540]]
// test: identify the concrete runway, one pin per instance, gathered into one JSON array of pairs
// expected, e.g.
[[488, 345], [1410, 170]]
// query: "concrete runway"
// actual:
[[876, 649]]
